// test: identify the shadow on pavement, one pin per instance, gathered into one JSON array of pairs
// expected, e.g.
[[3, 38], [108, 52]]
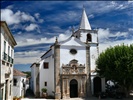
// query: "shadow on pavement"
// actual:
[[29, 94]]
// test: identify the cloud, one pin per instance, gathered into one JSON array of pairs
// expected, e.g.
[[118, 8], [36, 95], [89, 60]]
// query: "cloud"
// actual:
[[31, 39], [91, 16], [105, 35], [104, 46], [105, 41], [130, 29], [37, 15], [10, 7], [31, 27], [27, 57], [15, 18]]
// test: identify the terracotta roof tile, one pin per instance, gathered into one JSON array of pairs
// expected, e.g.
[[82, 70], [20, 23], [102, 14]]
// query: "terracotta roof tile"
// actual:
[[18, 73]]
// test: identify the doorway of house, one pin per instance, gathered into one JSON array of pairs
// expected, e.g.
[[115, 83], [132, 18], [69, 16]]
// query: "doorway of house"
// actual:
[[73, 88], [6, 90], [97, 85]]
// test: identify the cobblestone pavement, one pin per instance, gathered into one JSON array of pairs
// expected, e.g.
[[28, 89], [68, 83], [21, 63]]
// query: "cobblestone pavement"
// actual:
[[30, 96], [90, 98]]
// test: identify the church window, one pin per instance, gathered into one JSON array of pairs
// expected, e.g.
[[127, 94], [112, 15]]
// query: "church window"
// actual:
[[73, 51], [45, 65], [15, 82], [45, 83], [89, 37]]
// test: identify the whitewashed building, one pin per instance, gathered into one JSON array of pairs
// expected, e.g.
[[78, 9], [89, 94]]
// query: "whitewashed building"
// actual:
[[34, 80], [67, 69], [7, 43], [19, 83]]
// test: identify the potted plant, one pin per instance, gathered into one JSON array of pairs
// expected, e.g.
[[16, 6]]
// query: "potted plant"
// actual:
[[44, 92], [19, 98], [15, 98]]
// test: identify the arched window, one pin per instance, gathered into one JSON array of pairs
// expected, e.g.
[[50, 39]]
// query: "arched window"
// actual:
[[88, 37]]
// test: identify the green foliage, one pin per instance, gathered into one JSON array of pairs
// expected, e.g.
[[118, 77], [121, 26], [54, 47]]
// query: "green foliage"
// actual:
[[116, 63], [28, 73], [44, 90]]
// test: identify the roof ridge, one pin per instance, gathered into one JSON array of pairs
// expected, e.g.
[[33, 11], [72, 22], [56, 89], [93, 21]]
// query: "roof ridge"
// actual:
[[18, 73]]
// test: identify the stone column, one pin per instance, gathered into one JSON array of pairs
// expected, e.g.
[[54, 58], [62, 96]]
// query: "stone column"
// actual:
[[88, 82], [68, 96], [63, 82], [57, 70], [81, 86]]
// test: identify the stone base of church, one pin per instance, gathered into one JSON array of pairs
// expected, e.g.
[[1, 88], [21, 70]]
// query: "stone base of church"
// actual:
[[58, 96]]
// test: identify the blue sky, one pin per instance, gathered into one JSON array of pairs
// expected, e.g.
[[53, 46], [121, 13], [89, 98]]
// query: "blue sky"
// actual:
[[36, 24]]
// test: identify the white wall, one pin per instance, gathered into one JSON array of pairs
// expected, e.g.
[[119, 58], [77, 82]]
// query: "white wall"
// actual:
[[84, 37], [6, 68], [17, 90], [34, 73], [47, 75], [32, 79], [66, 56], [93, 57]]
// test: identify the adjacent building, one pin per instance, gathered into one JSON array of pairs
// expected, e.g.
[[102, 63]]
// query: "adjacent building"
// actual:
[[19, 83], [67, 69], [7, 43], [34, 80]]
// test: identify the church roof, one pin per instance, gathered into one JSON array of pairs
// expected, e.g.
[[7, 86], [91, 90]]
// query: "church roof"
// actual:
[[84, 24], [18, 73], [72, 41]]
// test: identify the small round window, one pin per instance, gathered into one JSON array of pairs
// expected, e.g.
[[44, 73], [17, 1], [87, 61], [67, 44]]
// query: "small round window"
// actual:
[[73, 51]]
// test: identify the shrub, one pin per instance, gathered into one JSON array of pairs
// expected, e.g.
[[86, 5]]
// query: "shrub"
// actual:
[[44, 90]]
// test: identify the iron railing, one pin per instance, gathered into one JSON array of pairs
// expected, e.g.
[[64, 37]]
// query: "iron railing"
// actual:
[[5, 56]]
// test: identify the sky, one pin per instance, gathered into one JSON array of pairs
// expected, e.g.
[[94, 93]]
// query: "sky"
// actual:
[[36, 24]]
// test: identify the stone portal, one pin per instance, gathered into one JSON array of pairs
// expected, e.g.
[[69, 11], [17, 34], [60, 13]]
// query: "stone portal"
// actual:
[[73, 80]]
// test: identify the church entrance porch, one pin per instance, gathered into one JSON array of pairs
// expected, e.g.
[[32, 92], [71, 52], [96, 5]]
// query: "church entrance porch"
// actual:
[[73, 88], [73, 79]]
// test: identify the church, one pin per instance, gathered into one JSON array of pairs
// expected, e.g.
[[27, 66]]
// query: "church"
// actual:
[[67, 69]]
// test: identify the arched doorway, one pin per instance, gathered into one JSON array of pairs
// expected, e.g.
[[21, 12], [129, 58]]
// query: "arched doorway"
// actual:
[[97, 85], [73, 88]]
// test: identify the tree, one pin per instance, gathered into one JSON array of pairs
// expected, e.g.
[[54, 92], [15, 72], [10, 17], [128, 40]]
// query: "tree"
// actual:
[[28, 73], [116, 64]]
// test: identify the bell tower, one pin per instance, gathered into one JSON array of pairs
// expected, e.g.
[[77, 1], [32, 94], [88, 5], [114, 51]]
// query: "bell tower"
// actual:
[[88, 36]]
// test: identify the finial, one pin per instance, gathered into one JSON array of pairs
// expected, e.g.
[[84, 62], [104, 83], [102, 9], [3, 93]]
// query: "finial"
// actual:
[[56, 41]]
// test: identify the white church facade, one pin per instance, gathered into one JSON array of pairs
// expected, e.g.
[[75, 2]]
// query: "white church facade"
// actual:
[[67, 69]]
